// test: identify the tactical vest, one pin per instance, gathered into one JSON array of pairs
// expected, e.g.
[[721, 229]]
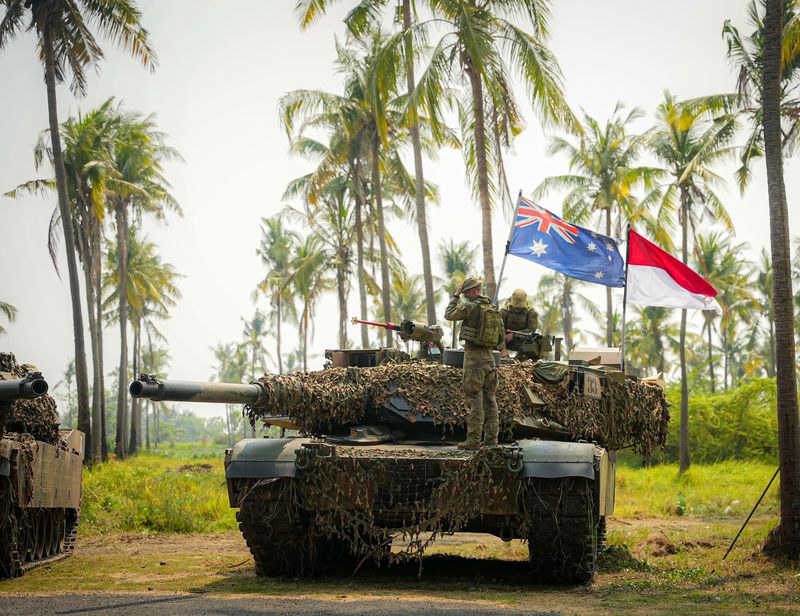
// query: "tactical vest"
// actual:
[[516, 318], [483, 327]]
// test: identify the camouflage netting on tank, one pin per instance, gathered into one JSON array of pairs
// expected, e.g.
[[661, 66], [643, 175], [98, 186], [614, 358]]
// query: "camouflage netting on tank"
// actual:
[[347, 495], [37, 417], [632, 414]]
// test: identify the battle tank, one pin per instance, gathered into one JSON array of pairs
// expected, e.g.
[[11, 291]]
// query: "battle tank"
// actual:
[[373, 471], [40, 473]]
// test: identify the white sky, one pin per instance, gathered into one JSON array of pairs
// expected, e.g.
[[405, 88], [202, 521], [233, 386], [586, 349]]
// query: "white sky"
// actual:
[[223, 67]]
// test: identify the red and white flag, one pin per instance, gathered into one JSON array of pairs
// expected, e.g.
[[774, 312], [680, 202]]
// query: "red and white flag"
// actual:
[[656, 278]]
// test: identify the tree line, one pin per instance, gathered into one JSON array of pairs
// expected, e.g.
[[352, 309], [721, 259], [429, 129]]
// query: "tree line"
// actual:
[[459, 59]]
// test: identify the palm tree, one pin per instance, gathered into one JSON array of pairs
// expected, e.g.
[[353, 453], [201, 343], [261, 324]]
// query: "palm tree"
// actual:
[[720, 262], [332, 223], [278, 245], [362, 19], [689, 142], [155, 360], [68, 378], [746, 55], [65, 41], [254, 333], [566, 290], [138, 187], [786, 538], [309, 281], [151, 292], [88, 162], [232, 364], [456, 260], [763, 284], [9, 312], [480, 43], [651, 336], [602, 162], [408, 295]]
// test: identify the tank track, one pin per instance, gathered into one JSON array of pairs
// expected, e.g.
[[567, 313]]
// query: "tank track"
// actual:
[[563, 530], [274, 528], [32, 537]]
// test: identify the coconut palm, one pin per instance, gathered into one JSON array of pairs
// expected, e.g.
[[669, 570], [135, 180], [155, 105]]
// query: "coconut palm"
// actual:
[[763, 285], [786, 538], [276, 251], [480, 43], [689, 142], [566, 289], [9, 312], [408, 295], [309, 280], [66, 44], [138, 187], [151, 290], [651, 337], [360, 20], [746, 54], [603, 175], [254, 333], [231, 366]]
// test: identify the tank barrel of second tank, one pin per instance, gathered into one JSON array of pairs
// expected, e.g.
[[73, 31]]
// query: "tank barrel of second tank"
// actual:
[[147, 386], [32, 386]]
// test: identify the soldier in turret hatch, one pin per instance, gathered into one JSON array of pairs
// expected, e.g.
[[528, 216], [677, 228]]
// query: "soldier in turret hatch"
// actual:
[[519, 316], [482, 333]]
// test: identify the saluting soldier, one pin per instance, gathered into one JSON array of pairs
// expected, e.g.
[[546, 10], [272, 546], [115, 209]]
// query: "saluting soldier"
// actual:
[[482, 333], [519, 316]]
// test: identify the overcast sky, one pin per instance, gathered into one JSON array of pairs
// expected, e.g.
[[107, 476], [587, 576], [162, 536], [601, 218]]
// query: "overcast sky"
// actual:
[[223, 67]]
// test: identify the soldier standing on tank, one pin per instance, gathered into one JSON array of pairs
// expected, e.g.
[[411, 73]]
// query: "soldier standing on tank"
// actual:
[[482, 333], [519, 316]]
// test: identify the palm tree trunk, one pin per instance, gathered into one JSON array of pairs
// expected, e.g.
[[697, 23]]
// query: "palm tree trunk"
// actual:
[[483, 179], [96, 452], [711, 359], [81, 371], [341, 291], [362, 283], [771, 360], [787, 535], [419, 178], [122, 390], [305, 338], [386, 288], [609, 306], [683, 441], [97, 271], [279, 308], [136, 411], [566, 314]]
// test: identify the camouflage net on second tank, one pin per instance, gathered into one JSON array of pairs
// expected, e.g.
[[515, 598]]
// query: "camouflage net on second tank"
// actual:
[[631, 414]]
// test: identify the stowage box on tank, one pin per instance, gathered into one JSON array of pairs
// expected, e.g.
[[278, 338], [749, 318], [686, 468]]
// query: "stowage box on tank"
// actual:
[[374, 462]]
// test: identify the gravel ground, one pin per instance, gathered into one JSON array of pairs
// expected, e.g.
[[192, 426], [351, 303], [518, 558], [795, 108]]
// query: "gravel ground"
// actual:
[[195, 605]]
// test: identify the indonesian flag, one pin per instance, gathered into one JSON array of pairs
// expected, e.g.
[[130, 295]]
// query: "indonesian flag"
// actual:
[[656, 278]]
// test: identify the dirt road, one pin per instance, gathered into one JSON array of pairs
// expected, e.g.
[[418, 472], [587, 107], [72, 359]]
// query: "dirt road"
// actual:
[[664, 566]]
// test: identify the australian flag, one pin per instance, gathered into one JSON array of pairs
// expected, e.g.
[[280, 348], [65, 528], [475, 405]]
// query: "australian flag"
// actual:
[[544, 238]]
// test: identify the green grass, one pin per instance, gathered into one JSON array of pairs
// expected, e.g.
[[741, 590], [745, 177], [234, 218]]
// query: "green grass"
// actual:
[[729, 488], [154, 493]]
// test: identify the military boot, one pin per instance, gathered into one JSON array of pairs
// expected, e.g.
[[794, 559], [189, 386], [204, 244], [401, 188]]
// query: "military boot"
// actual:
[[474, 429]]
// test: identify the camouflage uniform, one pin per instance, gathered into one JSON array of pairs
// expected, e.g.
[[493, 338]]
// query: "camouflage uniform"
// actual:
[[519, 316], [480, 374]]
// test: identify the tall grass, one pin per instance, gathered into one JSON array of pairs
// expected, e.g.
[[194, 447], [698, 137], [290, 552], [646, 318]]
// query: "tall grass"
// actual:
[[153, 493], [728, 488]]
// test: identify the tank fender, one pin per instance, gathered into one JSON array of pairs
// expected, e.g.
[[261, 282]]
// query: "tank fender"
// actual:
[[553, 459], [263, 458]]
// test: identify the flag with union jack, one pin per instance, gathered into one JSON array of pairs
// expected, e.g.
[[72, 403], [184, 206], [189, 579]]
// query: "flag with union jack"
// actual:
[[544, 238]]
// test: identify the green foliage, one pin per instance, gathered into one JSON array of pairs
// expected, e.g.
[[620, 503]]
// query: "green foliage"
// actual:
[[151, 493], [728, 488], [741, 423]]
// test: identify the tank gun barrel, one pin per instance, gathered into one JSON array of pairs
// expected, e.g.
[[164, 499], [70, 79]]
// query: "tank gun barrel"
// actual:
[[148, 386], [32, 386]]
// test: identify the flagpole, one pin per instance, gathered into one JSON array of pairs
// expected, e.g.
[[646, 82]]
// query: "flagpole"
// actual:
[[625, 298], [508, 246]]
